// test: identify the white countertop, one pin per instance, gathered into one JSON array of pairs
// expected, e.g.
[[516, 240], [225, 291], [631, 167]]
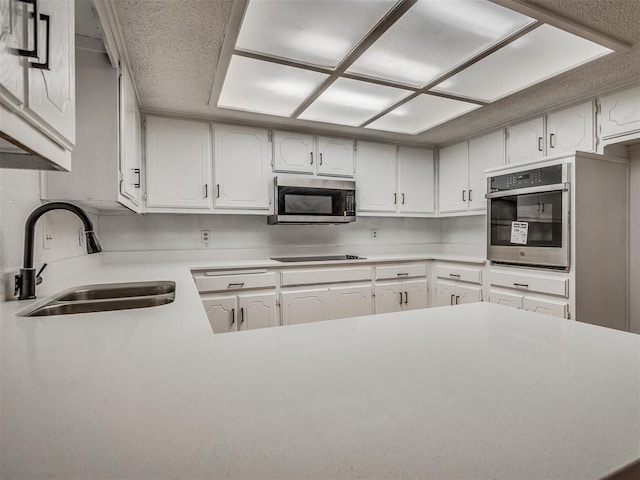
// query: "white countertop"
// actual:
[[472, 391]]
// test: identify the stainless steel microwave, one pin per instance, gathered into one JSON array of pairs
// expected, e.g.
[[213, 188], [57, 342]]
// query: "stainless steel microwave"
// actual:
[[303, 200]]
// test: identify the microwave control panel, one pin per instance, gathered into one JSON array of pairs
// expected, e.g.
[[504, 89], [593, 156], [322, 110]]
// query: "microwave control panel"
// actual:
[[536, 177], [350, 203]]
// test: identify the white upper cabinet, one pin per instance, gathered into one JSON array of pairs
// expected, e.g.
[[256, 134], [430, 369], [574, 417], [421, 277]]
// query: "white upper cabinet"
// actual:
[[178, 163], [305, 153], [571, 129], [376, 184], [335, 156], [394, 179], [485, 152], [130, 142], [453, 178], [415, 180], [242, 167], [293, 152], [620, 113], [37, 89], [525, 141]]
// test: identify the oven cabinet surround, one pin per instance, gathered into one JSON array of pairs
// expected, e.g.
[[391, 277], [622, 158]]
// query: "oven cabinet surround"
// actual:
[[306, 153], [559, 132], [457, 284], [107, 170], [401, 287], [620, 115], [461, 179], [395, 180], [37, 104]]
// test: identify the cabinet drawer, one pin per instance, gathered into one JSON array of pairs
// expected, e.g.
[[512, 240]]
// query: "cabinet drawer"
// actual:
[[235, 282], [531, 282], [401, 271], [325, 275], [463, 274], [509, 299]]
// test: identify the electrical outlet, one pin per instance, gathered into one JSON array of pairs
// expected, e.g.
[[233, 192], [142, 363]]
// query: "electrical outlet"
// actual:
[[205, 236], [47, 236], [374, 233]]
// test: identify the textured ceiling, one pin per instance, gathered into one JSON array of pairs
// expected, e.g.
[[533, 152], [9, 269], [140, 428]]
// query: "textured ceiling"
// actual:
[[174, 45]]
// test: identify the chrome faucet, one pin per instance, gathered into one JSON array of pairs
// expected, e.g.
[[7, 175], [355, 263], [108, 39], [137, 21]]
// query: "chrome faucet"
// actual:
[[27, 280]]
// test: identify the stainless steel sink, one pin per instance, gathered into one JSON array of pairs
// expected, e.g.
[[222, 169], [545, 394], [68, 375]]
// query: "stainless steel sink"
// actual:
[[105, 297]]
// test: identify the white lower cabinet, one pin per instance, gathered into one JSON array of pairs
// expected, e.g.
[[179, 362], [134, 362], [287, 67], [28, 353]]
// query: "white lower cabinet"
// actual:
[[401, 296], [350, 301], [304, 306], [532, 303], [453, 293], [243, 311]]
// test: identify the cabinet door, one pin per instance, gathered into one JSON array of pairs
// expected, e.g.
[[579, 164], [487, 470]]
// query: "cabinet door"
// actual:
[[256, 311], [525, 141], [222, 313], [415, 180], [178, 163], [571, 129], [415, 294], [293, 152], [12, 15], [335, 156], [304, 306], [555, 308], [389, 297], [453, 178], [242, 167], [130, 142], [468, 294], [351, 301], [445, 293], [621, 113], [507, 299], [376, 177], [51, 92], [484, 152]]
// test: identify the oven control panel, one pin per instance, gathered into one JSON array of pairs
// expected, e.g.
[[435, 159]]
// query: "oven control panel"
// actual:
[[536, 177]]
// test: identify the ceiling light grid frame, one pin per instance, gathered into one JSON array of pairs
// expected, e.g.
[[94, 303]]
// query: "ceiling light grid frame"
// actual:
[[415, 94]]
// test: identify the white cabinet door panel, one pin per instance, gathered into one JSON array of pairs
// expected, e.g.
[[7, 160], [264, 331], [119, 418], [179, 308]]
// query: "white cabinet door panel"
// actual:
[[354, 301], [335, 156], [507, 299], [468, 294], [12, 15], [293, 152], [484, 152], [525, 141], [256, 311], [389, 297], [222, 314], [453, 178], [546, 307], [178, 163], [571, 129], [51, 95], [415, 180], [304, 306], [130, 141], [445, 293], [242, 167], [621, 112], [415, 292], [376, 177]]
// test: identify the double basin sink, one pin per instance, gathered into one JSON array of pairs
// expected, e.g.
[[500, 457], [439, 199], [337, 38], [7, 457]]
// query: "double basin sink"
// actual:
[[105, 297]]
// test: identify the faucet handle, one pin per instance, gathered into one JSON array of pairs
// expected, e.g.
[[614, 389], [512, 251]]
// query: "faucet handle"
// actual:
[[38, 277]]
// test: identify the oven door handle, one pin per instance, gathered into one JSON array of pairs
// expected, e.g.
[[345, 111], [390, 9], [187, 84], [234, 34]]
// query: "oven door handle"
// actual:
[[558, 187]]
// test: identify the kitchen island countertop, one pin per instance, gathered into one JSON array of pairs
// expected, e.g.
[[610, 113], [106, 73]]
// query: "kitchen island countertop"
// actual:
[[471, 391]]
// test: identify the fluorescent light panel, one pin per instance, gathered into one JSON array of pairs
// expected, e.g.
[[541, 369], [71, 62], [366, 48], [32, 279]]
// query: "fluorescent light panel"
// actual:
[[351, 102], [541, 54], [422, 113], [266, 87], [434, 36], [311, 31]]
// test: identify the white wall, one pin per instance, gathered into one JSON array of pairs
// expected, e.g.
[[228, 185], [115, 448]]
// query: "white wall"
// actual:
[[634, 239], [464, 230], [19, 196]]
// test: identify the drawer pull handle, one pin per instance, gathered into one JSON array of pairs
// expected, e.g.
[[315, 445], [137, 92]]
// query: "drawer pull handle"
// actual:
[[400, 298], [236, 285], [241, 315], [457, 299], [233, 316], [523, 285], [136, 171], [403, 274], [457, 275], [33, 53], [320, 158], [44, 65], [406, 297], [540, 144], [451, 301]]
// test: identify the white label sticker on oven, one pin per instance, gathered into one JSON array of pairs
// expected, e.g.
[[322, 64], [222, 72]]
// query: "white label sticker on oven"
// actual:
[[519, 232]]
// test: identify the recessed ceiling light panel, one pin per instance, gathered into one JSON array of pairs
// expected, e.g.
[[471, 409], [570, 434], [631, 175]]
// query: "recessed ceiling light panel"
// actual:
[[265, 87], [311, 31], [436, 35], [351, 102], [422, 113], [541, 54]]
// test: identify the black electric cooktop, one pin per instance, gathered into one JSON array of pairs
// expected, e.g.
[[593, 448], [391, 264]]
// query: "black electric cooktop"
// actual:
[[321, 258]]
